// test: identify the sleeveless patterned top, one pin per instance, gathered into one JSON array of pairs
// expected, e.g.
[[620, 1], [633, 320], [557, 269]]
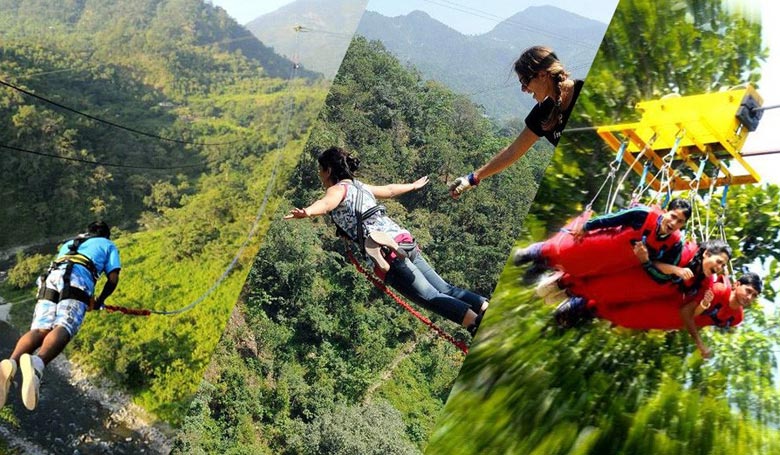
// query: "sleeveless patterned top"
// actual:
[[344, 214]]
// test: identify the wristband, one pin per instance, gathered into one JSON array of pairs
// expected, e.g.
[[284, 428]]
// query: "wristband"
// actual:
[[473, 180]]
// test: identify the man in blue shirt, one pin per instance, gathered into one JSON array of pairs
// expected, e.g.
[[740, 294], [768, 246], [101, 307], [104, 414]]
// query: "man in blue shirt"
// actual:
[[65, 294]]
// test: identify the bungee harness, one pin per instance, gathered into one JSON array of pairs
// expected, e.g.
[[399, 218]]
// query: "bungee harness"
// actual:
[[383, 287], [376, 245], [72, 258]]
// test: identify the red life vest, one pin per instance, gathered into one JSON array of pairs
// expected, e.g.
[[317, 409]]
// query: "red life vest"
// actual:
[[632, 285], [664, 313], [604, 251]]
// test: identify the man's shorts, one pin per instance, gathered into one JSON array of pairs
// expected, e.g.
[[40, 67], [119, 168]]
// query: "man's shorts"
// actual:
[[68, 313]]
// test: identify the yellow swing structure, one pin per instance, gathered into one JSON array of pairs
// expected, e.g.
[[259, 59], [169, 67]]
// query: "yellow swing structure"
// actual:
[[692, 130]]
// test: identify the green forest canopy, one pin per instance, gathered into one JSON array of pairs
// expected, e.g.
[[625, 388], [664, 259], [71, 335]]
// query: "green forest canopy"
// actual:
[[600, 390], [318, 345], [162, 67]]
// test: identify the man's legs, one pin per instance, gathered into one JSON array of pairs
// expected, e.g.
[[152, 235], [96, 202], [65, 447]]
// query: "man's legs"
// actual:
[[54, 324], [53, 344], [32, 365], [29, 342]]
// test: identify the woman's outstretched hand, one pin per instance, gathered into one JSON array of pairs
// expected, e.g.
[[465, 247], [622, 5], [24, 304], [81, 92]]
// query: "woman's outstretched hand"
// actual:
[[296, 213], [419, 183]]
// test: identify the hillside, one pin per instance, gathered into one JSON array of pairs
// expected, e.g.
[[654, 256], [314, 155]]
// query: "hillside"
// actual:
[[484, 62], [138, 71], [328, 26], [180, 70]]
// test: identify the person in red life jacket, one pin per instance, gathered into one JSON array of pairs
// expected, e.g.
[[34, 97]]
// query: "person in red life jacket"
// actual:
[[719, 305], [700, 266], [652, 279], [391, 249], [543, 76], [605, 244], [65, 294]]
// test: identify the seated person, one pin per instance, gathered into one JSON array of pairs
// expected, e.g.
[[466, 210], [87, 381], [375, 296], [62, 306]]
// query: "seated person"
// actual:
[[719, 305], [604, 245]]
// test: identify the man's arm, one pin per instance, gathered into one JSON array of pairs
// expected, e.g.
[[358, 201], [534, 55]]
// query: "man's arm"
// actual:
[[112, 280], [687, 312]]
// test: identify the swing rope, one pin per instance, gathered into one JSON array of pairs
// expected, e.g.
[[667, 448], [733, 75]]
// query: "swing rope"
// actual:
[[665, 176], [721, 222], [695, 221], [708, 203], [382, 287], [614, 195], [613, 168]]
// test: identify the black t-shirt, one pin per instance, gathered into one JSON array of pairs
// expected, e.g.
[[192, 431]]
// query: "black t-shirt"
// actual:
[[541, 111]]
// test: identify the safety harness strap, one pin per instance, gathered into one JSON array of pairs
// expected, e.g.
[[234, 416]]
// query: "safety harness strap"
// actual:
[[69, 292], [69, 260], [360, 216], [79, 259]]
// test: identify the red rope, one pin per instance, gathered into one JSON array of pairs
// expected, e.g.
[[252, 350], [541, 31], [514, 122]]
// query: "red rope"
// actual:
[[382, 287], [130, 311]]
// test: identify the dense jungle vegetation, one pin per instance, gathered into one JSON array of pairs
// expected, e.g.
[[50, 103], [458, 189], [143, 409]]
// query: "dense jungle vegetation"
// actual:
[[527, 387], [318, 361], [178, 69]]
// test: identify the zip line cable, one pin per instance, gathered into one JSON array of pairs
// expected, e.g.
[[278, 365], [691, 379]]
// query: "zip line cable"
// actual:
[[108, 164], [305, 29], [108, 122]]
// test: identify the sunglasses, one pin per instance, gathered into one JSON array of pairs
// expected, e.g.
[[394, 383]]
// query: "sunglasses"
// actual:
[[524, 81]]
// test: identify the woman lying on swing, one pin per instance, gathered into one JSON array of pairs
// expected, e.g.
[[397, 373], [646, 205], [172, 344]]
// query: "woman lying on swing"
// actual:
[[605, 244], [392, 250], [696, 272], [719, 304], [689, 294]]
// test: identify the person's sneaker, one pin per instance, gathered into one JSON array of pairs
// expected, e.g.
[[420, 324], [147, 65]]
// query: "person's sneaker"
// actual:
[[531, 276], [31, 382], [521, 256], [7, 373], [569, 311], [549, 284], [472, 329]]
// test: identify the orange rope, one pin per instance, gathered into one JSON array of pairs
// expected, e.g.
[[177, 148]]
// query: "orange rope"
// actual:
[[130, 311], [381, 286]]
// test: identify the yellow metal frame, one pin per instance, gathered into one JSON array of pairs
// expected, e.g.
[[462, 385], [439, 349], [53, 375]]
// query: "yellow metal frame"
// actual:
[[706, 126]]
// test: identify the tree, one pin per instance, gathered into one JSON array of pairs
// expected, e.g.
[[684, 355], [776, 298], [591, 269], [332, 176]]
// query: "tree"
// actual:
[[597, 389]]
